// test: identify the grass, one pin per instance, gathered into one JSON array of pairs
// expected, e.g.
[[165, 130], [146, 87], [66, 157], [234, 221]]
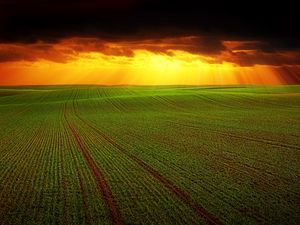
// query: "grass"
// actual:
[[150, 155]]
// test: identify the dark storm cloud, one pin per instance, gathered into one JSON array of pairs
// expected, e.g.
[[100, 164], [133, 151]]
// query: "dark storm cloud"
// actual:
[[33, 52], [255, 45], [51, 20], [244, 58], [205, 45], [268, 32], [68, 49]]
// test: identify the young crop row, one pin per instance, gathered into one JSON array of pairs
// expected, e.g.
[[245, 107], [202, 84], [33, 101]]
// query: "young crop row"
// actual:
[[234, 170], [20, 174], [146, 155], [181, 194]]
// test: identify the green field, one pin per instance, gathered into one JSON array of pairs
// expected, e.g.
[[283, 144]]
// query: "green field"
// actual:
[[150, 155]]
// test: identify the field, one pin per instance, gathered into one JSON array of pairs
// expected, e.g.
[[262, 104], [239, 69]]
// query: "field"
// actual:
[[150, 155]]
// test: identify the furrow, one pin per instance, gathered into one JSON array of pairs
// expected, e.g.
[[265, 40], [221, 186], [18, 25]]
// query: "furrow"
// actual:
[[103, 186]]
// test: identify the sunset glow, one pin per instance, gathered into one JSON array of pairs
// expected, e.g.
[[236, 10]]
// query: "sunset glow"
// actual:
[[91, 61]]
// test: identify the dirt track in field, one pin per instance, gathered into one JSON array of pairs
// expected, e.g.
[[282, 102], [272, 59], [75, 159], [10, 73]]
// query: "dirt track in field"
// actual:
[[181, 194], [102, 184]]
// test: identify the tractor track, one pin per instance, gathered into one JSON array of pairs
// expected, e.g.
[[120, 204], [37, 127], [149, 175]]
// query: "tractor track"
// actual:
[[102, 183], [178, 192]]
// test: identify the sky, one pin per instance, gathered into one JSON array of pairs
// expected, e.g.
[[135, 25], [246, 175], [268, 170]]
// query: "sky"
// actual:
[[149, 42]]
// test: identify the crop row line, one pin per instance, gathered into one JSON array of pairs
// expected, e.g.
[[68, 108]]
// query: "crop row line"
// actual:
[[181, 194], [103, 186]]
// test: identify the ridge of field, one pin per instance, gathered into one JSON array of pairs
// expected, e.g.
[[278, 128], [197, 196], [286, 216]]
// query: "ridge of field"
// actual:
[[150, 155]]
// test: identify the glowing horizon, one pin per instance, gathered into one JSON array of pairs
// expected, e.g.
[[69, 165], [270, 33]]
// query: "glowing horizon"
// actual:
[[169, 62]]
